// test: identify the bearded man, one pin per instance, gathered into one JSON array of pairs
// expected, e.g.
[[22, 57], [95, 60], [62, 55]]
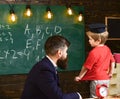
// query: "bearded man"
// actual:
[[42, 81]]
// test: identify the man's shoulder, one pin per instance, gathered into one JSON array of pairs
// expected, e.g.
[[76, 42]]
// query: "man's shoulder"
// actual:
[[44, 64]]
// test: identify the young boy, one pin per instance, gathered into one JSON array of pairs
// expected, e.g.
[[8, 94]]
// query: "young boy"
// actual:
[[99, 65]]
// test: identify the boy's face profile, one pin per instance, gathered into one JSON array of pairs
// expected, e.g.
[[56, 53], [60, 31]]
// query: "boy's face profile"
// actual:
[[92, 42]]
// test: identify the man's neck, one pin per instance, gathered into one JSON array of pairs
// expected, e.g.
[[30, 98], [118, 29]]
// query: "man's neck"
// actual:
[[52, 59]]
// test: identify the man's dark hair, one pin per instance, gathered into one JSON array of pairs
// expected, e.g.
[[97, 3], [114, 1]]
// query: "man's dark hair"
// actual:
[[55, 42]]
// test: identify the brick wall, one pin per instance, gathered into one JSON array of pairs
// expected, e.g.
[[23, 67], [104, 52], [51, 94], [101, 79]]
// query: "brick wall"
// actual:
[[11, 86]]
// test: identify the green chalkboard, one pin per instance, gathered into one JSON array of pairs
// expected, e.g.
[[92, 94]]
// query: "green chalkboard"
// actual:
[[22, 42]]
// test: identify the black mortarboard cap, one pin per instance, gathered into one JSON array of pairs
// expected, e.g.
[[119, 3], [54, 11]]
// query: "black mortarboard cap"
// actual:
[[97, 28]]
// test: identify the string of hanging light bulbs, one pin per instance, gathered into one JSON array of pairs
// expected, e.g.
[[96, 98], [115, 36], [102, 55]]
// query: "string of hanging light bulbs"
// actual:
[[49, 13]]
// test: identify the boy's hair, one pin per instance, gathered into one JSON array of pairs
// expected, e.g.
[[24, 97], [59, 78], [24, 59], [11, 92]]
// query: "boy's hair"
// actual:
[[54, 43], [102, 36]]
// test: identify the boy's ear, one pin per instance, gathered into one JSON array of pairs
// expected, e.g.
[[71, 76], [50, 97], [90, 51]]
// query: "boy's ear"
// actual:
[[99, 40]]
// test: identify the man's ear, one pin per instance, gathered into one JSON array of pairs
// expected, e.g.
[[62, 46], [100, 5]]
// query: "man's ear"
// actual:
[[59, 52]]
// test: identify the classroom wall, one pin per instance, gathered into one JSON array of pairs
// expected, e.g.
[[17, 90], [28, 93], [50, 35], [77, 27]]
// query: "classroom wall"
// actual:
[[11, 86]]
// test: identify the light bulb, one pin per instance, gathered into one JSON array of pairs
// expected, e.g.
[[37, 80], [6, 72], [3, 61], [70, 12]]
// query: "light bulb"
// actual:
[[80, 17], [13, 17], [49, 15], [69, 11], [28, 12]]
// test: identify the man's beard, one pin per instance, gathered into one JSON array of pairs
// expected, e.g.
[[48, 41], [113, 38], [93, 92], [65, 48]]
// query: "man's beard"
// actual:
[[62, 63]]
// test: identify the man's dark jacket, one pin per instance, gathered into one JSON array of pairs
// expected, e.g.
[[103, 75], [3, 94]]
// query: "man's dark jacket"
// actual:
[[43, 83]]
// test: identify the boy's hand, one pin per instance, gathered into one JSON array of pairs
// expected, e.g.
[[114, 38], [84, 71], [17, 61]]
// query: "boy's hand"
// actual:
[[110, 75], [77, 78]]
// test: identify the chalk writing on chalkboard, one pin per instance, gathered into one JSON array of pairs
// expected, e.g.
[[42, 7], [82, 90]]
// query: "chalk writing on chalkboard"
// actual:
[[37, 37]]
